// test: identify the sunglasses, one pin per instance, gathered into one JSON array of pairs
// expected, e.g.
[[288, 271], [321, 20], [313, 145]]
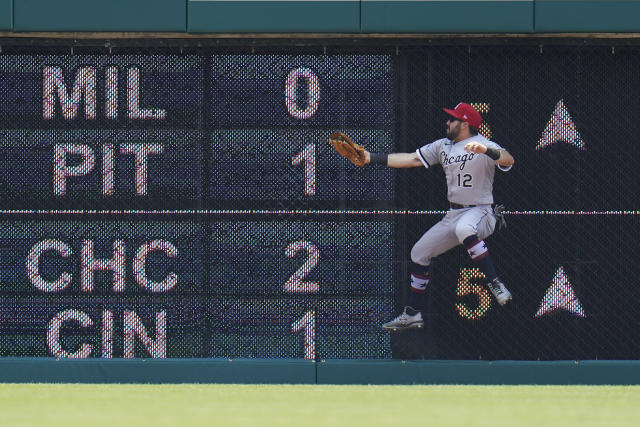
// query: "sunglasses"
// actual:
[[453, 119]]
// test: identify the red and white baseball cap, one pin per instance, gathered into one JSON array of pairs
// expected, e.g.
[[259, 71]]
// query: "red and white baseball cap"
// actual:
[[467, 113]]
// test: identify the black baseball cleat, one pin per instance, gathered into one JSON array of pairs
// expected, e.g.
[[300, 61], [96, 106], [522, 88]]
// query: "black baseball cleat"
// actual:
[[500, 291], [408, 319]]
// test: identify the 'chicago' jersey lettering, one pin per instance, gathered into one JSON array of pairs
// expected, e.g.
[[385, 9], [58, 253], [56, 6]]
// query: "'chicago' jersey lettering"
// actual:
[[446, 160], [469, 175]]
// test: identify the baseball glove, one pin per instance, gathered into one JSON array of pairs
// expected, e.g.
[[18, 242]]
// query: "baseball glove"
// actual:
[[347, 148]]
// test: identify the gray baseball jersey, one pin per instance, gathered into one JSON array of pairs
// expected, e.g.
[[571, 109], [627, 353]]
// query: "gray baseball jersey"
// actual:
[[469, 175]]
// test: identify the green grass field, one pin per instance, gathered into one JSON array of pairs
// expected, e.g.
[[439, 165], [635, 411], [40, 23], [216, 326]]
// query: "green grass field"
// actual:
[[289, 405]]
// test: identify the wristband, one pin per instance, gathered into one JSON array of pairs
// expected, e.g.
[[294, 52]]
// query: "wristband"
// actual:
[[493, 153], [379, 158]]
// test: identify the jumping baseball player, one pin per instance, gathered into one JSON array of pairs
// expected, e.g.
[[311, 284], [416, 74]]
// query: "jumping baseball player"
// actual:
[[469, 161]]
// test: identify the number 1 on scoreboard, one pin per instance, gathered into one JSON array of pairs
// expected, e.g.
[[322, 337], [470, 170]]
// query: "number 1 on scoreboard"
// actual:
[[308, 324], [308, 157]]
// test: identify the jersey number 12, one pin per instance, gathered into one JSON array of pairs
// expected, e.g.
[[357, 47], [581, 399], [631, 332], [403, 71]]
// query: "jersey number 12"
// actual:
[[464, 180]]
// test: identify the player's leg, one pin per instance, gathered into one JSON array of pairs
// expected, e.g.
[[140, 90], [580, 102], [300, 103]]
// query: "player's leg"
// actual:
[[472, 228], [437, 240]]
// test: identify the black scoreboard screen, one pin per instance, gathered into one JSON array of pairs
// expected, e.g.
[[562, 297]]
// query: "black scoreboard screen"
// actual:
[[188, 205], [121, 156]]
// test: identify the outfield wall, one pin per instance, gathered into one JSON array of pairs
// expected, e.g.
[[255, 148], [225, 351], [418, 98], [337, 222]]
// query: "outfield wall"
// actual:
[[182, 201], [166, 203], [321, 16], [291, 371], [571, 213]]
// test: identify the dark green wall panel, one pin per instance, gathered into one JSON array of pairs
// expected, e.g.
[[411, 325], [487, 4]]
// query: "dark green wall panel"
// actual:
[[478, 372], [273, 16], [6, 15], [298, 371], [322, 16], [100, 15], [156, 371], [566, 16], [450, 16]]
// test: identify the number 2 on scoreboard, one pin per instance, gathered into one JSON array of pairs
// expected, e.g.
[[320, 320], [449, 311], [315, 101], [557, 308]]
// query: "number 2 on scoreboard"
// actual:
[[295, 284]]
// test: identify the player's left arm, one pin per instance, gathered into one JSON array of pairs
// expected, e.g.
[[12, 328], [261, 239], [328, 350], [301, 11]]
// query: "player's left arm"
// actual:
[[500, 155]]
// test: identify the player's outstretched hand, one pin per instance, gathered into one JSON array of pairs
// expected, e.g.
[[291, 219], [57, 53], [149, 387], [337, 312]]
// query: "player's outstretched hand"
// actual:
[[475, 147]]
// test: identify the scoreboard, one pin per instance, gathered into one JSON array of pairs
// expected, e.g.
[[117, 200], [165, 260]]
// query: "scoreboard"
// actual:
[[172, 205], [120, 156]]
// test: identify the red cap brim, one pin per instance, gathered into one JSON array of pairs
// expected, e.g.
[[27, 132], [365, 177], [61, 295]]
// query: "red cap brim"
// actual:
[[457, 116], [453, 113]]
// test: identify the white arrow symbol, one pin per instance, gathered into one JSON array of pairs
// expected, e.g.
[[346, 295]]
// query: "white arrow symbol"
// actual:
[[560, 296], [560, 129]]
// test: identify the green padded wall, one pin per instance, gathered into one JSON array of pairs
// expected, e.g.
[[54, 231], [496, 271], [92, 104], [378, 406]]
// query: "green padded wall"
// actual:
[[505, 372], [447, 16], [100, 15], [298, 371], [6, 15], [155, 371], [249, 16], [566, 16], [322, 16]]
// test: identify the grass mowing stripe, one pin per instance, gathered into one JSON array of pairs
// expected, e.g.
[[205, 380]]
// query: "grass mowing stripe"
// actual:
[[284, 405]]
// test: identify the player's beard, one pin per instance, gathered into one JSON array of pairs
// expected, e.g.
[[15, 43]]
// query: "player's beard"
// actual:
[[453, 131]]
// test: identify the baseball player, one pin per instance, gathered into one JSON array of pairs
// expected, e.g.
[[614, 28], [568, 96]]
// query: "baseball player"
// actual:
[[469, 161]]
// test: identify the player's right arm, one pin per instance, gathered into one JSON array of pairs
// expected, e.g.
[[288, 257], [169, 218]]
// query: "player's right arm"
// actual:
[[424, 156], [399, 160]]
